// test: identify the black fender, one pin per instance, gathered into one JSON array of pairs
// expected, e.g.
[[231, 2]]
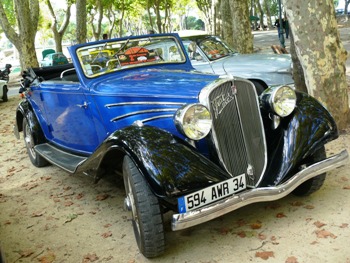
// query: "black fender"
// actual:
[[24, 110], [308, 128], [171, 166], [21, 111]]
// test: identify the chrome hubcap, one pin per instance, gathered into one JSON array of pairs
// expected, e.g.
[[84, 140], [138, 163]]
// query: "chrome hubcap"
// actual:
[[127, 204], [29, 142]]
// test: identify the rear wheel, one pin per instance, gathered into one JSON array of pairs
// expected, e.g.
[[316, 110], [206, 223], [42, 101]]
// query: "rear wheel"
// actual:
[[4, 93], [30, 142], [315, 183], [147, 220]]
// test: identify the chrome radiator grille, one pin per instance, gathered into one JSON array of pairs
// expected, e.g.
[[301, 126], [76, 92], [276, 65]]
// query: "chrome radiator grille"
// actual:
[[237, 132]]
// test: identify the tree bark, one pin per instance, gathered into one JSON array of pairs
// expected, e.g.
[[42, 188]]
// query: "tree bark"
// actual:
[[81, 21], [298, 72], [321, 54], [243, 38], [227, 20], [27, 14]]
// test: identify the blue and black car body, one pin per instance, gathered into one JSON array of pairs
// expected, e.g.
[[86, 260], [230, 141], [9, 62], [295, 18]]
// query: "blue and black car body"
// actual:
[[199, 145]]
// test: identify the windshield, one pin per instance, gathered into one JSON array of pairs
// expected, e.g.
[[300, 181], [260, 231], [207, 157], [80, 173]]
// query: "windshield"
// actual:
[[106, 57], [214, 48]]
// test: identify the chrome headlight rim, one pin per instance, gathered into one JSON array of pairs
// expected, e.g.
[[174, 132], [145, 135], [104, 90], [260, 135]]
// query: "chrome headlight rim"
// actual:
[[193, 126], [283, 100]]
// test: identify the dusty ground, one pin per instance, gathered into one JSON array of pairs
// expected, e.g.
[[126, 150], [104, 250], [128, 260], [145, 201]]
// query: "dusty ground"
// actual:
[[47, 215]]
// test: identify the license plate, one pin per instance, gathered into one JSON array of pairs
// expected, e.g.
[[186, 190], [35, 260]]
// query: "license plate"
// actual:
[[211, 194]]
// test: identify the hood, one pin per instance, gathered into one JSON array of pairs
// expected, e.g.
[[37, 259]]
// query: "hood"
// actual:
[[247, 63], [154, 83]]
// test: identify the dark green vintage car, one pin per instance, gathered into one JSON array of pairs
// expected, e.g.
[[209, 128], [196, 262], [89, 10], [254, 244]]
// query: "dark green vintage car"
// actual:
[[52, 58]]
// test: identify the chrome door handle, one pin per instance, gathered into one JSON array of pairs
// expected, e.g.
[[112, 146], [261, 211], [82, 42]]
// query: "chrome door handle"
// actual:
[[85, 105]]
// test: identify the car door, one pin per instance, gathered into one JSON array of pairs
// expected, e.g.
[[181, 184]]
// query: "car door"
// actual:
[[68, 116]]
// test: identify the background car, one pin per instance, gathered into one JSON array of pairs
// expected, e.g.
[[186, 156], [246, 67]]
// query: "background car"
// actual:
[[194, 144], [52, 58], [211, 54], [4, 79], [3, 90]]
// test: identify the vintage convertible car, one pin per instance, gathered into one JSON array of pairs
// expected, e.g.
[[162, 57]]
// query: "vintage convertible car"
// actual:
[[52, 58], [211, 54], [192, 144]]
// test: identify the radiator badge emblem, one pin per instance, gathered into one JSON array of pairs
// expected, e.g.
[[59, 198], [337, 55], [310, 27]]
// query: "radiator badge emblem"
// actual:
[[221, 101], [234, 89]]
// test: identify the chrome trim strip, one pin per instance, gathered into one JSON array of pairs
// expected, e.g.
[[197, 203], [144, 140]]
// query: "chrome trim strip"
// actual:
[[143, 103], [157, 117], [142, 112], [192, 218]]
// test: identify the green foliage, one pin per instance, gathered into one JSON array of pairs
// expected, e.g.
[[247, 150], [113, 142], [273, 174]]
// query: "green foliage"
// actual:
[[9, 11], [131, 16], [194, 23]]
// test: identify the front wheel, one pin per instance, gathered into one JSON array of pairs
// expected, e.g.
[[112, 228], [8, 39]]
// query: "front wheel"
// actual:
[[30, 142], [315, 183], [147, 220]]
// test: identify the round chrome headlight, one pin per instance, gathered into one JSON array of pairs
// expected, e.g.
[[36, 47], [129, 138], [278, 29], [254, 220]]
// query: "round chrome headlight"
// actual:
[[193, 121], [283, 101]]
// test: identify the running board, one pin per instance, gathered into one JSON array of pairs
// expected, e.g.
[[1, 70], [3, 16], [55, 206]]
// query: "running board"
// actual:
[[62, 159]]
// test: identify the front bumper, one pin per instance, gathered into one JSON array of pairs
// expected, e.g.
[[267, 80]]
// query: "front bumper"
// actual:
[[229, 204]]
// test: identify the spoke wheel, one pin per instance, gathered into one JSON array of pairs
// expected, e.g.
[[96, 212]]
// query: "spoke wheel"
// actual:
[[315, 183], [146, 217], [30, 143]]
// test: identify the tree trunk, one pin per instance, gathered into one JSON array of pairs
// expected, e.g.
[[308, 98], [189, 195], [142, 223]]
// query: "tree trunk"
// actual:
[[27, 14], [208, 9], [243, 38], [226, 19], [321, 54], [298, 73], [121, 19], [261, 12], [268, 14], [346, 8], [58, 33], [111, 20], [156, 8], [150, 16], [97, 10], [81, 21]]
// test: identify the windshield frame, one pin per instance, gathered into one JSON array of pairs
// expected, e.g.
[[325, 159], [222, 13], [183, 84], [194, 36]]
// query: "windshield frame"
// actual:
[[215, 54], [127, 53]]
